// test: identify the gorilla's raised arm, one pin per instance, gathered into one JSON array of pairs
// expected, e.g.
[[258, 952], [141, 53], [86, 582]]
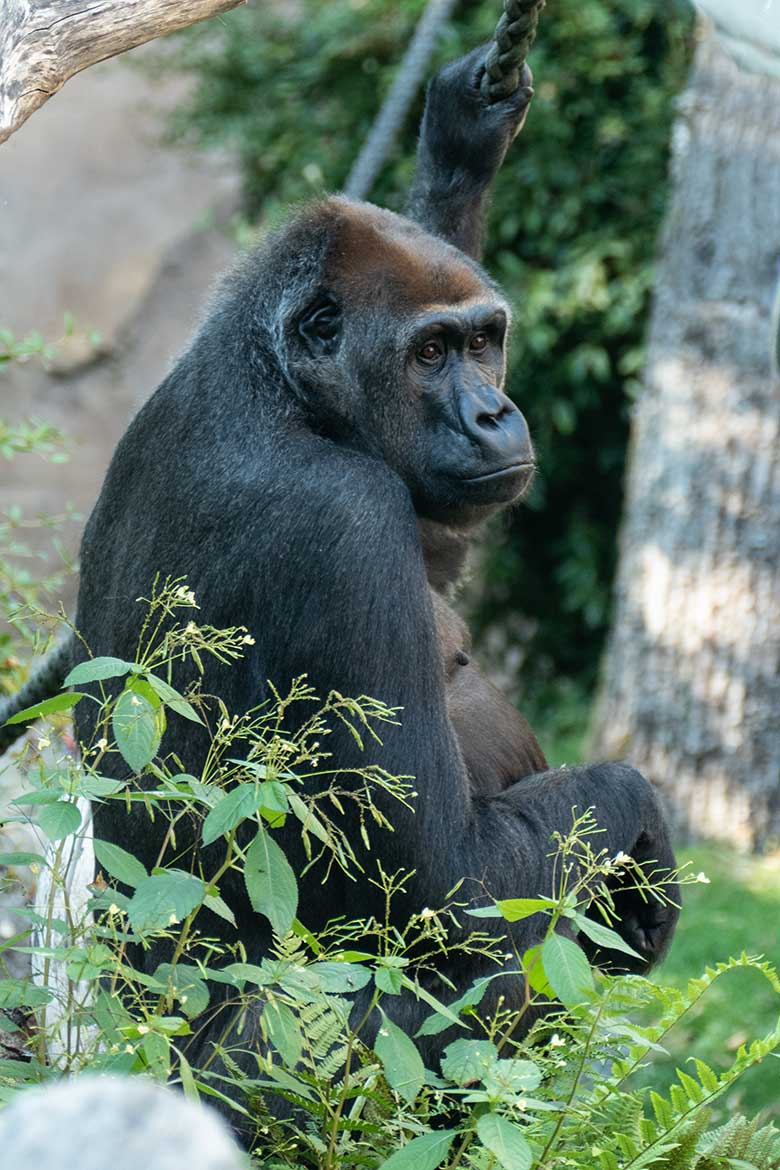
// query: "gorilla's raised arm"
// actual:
[[463, 141]]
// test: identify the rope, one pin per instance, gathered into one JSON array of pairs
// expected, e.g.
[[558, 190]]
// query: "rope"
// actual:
[[514, 35], [396, 105]]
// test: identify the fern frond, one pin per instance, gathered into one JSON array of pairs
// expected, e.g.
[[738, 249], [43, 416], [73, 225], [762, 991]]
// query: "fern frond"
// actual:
[[740, 1139]]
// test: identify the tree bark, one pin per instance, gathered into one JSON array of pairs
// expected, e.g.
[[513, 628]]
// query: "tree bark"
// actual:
[[691, 684], [43, 44]]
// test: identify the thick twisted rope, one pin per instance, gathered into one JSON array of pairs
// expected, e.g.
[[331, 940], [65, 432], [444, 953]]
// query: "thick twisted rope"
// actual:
[[514, 35]]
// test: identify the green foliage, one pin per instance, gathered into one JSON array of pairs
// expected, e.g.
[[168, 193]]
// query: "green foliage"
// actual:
[[23, 583], [737, 909], [571, 237], [570, 1094]]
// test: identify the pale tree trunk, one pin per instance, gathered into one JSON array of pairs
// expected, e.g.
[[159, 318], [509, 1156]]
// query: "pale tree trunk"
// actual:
[[691, 685], [43, 43]]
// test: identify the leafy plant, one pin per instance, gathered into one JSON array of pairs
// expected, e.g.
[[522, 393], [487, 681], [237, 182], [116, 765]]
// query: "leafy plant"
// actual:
[[564, 1094]]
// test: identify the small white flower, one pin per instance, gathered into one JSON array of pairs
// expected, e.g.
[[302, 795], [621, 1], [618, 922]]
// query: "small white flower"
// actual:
[[43, 742], [557, 1041], [114, 909], [248, 640], [135, 700], [143, 1029], [101, 745], [427, 913], [522, 1104], [702, 877], [190, 628], [129, 1048], [621, 858]]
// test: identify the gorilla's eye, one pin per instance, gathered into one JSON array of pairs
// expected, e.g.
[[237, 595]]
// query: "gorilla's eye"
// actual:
[[324, 322], [478, 343], [431, 352]]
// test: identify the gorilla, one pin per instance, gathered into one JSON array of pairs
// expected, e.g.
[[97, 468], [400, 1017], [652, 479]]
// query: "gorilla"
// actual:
[[316, 465]]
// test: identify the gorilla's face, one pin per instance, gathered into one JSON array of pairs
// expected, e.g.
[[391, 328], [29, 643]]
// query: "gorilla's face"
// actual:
[[467, 449], [405, 360]]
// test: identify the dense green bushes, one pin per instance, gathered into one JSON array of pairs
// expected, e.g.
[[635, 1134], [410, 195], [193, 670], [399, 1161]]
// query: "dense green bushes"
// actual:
[[572, 235]]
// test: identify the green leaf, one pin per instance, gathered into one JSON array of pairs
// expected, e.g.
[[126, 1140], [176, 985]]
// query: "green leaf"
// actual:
[[164, 899], [467, 1061], [234, 807], [440, 1008], [603, 936], [274, 796], [505, 1142], [281, 1027], [16, 993], [187, 985], [426, 1152], [97, 669], [96, 787], [47, 707], [171, 697], [119, 863], [240, 973], [339, 978], [567, 970], [505, 1077], [270, 882], [534, 972], [513, 909], [402, 1063], [187, 1078], [311, 823], [432, 1025], [219, 907], [12, 859], [157, 1051], [390, 980], [58, 820], [137, 729], [44, 796]]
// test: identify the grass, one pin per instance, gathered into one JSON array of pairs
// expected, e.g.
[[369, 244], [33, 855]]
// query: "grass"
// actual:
[[738, 911]]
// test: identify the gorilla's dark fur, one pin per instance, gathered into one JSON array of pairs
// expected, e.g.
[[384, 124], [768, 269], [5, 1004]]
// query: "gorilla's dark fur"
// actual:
[[338, 422]]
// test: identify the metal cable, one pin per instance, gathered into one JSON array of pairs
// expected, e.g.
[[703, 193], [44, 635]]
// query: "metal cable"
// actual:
[[395, 107]]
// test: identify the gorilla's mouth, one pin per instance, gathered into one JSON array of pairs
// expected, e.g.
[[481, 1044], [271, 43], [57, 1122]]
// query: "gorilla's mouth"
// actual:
[[525, 469]]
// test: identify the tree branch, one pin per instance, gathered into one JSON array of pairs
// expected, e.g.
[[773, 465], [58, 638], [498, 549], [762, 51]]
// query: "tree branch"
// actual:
[[43, 44]]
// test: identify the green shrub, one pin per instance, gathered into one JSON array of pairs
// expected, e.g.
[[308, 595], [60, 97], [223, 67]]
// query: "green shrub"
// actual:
[[564, 1095], [571, 237]]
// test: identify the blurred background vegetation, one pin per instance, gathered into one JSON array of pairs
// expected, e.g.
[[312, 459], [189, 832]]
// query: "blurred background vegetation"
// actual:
[[571, 238]]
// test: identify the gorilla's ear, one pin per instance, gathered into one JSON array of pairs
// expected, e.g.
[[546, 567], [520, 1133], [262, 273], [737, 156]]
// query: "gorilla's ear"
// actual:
[[320, 325]]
